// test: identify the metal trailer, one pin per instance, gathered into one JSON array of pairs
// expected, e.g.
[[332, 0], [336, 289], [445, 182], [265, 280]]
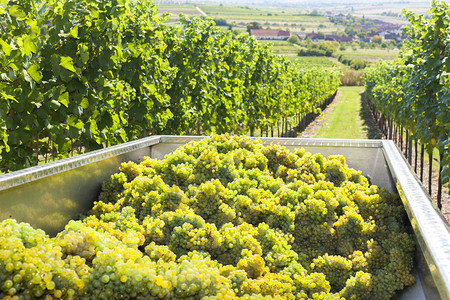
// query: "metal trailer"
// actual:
[[50, 195]]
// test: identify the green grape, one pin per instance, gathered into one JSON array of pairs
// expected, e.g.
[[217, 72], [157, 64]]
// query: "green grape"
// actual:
[[157, 252], [358, 286], [337, 270], [221, 218], [112, 188]]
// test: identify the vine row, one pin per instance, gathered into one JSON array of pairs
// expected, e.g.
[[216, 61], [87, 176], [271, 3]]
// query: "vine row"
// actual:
[[414, 91], [80, 75]]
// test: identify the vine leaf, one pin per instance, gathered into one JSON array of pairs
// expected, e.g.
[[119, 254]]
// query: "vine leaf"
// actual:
[[67, 63], [34, 73], [16, 12], [29, 46], [5, 47], [74, 32], [64, 99]]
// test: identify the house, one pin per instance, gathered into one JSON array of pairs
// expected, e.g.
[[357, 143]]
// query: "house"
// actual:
[[333, 37], [301, 35], [392, 36], [312, 36], [328, 14], [270, 34]]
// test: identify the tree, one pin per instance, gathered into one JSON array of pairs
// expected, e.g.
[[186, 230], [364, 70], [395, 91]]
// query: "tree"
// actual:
[[376, 39], [253, 25], [362, 35], [315, 12], [293, 39], [350, 30]]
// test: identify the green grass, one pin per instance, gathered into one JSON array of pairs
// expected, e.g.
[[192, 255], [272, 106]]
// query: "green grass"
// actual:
[[344, 122]]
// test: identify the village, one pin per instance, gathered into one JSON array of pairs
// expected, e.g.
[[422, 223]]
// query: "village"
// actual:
[[365, 30]]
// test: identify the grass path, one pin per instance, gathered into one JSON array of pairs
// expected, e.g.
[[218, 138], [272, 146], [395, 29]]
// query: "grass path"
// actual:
[[345, 122]]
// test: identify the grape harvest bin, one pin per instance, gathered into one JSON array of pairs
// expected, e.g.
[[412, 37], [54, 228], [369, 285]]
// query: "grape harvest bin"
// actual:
[[50, 195]]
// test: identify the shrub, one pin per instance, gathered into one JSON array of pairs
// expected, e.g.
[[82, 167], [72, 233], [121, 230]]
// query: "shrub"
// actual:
[[352, 77], [293, 39]]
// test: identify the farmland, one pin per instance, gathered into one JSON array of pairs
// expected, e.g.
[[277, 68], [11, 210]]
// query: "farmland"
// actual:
[[313, 61], [295, 20], [372, 55]]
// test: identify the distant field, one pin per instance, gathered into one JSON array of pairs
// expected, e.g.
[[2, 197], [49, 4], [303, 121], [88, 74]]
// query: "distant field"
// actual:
[[258, 14], [280, 47], [188, 10], [274, 18], [371, 54], [313, 61], [292, 20]]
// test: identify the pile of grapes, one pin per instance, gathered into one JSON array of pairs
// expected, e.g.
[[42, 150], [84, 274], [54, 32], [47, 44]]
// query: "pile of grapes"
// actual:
[[222, 218]]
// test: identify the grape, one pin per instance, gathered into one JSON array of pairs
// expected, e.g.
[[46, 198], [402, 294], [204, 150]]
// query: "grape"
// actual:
[[222, 218], [337, 269]]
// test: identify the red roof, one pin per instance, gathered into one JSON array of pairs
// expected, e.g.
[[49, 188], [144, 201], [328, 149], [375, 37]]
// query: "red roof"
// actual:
[[268, 32]]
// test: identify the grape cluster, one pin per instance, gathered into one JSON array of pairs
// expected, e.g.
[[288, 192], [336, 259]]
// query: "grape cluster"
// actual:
[[33, 265], [221, 218]]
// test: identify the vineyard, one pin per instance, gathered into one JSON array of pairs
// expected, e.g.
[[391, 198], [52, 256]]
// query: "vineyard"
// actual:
[[81, 75], [412, 94], [219, 217]]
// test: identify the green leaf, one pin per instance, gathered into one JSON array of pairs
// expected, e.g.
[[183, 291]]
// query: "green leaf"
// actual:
[[55, 104], [16, 12], [74, 133], [84, 53], [5, 47], [74, 32], [84, 103], [33, 25], [29, 46], [64, 99], [66, 75], [13, 67], [55, 66], [34, 73], [67, 63]]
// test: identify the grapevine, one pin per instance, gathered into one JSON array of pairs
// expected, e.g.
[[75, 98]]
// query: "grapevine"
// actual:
[[414, 89], [79, 75]]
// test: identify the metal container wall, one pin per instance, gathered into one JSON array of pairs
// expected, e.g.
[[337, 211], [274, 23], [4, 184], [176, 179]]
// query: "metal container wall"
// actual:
[[50, 195]]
